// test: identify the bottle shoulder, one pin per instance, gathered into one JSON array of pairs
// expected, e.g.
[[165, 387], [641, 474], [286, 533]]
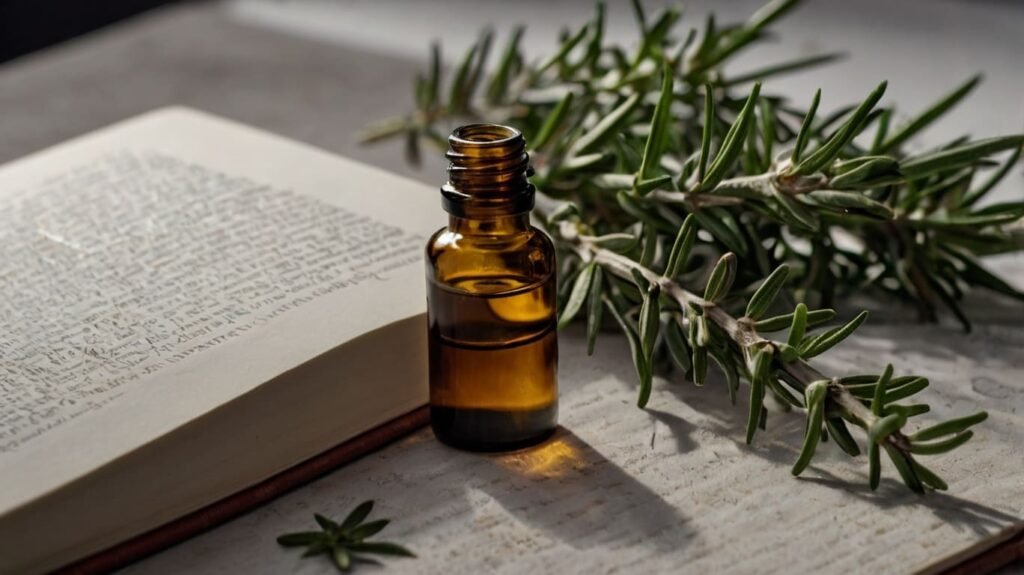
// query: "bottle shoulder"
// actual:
[[451, 256], [447, 242]]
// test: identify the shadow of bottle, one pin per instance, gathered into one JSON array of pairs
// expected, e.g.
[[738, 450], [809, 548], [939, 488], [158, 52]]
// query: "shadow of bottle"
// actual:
[[568, 491]]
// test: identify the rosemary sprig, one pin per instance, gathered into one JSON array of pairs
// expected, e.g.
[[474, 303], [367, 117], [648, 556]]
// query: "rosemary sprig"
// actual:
[[664, 174], [912, 222], [346, 542], [778, 368]]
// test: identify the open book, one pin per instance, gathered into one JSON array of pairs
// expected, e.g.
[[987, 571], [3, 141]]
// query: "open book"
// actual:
[[189, 307]]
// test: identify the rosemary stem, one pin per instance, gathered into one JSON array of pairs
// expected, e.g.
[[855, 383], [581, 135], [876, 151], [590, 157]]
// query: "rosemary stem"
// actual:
[[741, 331]]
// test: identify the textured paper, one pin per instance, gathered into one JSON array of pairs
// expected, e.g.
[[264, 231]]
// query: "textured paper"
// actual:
[[672, 488]]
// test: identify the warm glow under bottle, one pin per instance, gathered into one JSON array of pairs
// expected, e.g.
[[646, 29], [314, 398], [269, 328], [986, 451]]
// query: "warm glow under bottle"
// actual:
[[491, 300]]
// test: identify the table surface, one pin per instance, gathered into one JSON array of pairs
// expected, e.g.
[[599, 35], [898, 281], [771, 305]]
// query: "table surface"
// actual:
[[619, 489]]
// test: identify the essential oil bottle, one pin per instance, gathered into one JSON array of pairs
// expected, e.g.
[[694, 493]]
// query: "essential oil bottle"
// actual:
[[491, 300]]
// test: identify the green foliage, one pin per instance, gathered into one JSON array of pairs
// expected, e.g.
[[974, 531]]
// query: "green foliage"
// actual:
[[346, 543], [678, 172]]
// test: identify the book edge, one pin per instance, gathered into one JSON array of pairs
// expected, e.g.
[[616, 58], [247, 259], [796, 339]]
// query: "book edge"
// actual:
[[234, 505], [984, 556]]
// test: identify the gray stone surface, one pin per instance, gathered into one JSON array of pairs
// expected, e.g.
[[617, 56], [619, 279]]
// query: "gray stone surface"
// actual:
[[619, 489], [670, 489]]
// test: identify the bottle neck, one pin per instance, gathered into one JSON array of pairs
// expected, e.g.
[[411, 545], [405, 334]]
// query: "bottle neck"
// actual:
[[488, 174], [489, 226]]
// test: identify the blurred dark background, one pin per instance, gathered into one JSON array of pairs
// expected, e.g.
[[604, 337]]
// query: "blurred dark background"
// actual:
[[320, 71], [28, 25]]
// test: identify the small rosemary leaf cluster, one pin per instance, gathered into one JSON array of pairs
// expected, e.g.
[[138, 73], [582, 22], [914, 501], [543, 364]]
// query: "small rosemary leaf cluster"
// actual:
[[704, 213], [346, 542]]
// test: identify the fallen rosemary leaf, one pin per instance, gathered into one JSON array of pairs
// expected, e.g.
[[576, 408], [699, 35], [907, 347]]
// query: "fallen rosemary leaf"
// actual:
[[345, 543]]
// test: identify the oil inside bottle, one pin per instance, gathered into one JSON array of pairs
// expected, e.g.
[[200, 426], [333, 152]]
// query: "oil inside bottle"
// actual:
[[493, 361]]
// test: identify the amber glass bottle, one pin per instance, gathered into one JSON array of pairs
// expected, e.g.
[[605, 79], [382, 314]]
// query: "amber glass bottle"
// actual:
[[491, 300]]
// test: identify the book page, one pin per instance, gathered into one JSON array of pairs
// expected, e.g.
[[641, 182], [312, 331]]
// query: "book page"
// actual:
[[151, 273]]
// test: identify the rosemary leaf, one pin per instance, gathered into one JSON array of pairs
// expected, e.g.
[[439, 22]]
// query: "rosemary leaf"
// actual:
[[958, 156], [357, 516], [721, 278], [707, 134], [821, 343], [368, 529], [650, 312], [606, 127], [325, 523], [796, 331], [805, 129], [660, 120], [941, 446], [676, 343], [553, 122], [930, 115], [759, 372], [732, 144], [382, 548], [498, 86], [780, 322], [928, 477], [815, 400], [973, 196], [595, 308], [830, 149], [643, 369], [903, 466], [460, 92], [950, 427], [680, 253], [767, 292], [874, 466], [578, 295], [762, 74], [850, 201], [841, 434]]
